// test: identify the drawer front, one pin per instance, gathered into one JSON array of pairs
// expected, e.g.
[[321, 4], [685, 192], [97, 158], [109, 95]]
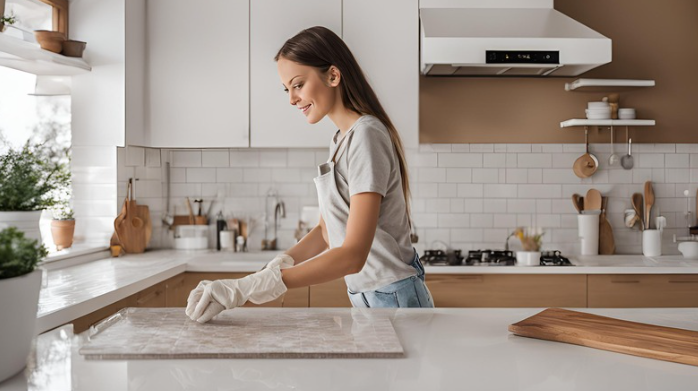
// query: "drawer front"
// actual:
[[498, 290], [330, 294], [643, 290]]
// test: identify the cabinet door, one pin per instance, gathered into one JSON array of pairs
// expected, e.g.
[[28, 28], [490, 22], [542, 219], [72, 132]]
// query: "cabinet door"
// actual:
[[198, 76], [153, 297], [175, 292], [490, 290], [648, 290], [330, 294], [273, 121], [384, 38]]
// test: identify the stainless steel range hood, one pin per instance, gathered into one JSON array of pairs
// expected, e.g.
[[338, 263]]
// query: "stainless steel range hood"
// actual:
[[506, 38]]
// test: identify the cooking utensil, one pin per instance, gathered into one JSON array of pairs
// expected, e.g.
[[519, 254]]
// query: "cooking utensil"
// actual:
[[132, 225], [593, 200], [578, 202], [630, 218], [607, 244], [587, 164], [199, 201], [649, 202], [600, 332], [191, 212], [627, 160], [637, 205], [167, 218], [613, 159]]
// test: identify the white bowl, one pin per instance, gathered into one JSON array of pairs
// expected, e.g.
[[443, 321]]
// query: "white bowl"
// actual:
[[689, 249], [626, 113], [528, 258], [597, 105]]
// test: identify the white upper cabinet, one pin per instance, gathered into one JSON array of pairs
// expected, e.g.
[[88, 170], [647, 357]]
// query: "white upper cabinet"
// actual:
[[198, 73], [274, 122], [384, 37]]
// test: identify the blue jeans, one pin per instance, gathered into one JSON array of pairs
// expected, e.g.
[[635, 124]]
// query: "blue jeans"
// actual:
[[409, 292]]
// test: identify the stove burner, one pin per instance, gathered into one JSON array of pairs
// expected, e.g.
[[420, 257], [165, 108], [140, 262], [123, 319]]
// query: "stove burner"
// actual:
[[490, 258], [554, 258], [441, 258]]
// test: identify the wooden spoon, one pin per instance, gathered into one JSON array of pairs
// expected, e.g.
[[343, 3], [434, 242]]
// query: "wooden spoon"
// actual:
[[649, 201], [593, 200], [637, 205], [578, 202], [587, 164], [607, 244]]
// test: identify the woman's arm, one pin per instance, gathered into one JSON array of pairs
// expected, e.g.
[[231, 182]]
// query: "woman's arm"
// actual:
[[310, 245], [346, 259]]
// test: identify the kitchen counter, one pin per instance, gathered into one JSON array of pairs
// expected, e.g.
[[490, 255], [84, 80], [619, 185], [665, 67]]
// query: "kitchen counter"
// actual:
[[445, 349], [75, 291]]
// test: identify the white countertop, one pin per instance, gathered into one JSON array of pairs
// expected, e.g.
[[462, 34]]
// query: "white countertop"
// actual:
[[445, 349], [75, 291]]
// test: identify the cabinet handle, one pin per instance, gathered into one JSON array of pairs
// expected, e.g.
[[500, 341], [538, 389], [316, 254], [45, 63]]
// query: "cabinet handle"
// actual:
[[470, 278], [148, 297], [683, 281], [625, 281]]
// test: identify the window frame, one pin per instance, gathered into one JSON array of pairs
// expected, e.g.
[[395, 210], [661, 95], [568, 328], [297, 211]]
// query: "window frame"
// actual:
[[60, 14]]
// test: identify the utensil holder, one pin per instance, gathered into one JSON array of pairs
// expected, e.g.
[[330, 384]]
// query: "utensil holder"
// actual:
[[588, 227], [651, 243]]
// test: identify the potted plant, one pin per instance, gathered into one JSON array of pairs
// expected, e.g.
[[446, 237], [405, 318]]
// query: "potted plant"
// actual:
[[30, 181], [531, 241], [63, 227], [20, 283], [9, 20]]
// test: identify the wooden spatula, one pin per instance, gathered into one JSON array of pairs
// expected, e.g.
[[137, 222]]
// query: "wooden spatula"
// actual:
[[592, 201], [578, 202], [649, 201], [607, 244], [637, 205]]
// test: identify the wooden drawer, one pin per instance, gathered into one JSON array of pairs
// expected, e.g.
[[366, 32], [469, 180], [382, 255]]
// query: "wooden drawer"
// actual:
[[643, 290], [507, 290], [153, 297], [330, 294], [175, 292]]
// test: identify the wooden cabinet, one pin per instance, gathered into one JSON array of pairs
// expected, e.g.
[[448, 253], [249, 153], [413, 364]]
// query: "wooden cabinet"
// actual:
[[643, 290], [198, 74], [175, 292], [153, 297], [384, 38], [507, 290], [330, 294], [273, 121]]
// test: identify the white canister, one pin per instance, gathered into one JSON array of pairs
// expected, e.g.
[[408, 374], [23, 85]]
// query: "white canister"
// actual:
[[651, 243], [588, 227], [227, 240]]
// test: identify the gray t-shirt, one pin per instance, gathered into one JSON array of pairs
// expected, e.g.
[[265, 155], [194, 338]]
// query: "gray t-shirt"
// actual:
[[370, 164]]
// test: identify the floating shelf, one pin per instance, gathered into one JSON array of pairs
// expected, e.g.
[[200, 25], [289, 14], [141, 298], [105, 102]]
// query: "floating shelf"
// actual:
[[29, 57], [607, 122], [606, 84]]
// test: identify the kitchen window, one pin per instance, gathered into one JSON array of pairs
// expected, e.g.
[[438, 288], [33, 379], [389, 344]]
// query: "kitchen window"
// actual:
[[37, 15]]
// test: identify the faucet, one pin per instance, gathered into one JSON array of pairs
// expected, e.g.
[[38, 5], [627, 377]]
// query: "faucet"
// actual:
[[279, 209], [506, 244]]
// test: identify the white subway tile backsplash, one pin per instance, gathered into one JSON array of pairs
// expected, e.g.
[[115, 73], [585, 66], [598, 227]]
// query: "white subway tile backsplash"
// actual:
[[466, 195], [459, 175]]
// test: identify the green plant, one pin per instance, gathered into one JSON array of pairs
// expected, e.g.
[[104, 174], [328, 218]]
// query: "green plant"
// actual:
[[18, 255], [29, 180], [63, 212], [8, 19]]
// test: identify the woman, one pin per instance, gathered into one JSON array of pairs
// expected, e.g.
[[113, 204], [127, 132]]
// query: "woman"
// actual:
[[363, 191]]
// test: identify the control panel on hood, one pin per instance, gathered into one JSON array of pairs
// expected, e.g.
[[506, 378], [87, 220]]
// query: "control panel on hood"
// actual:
[[522, 57]]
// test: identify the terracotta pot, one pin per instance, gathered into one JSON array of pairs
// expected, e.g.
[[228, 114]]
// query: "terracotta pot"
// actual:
[[62, 232], [2, 27]]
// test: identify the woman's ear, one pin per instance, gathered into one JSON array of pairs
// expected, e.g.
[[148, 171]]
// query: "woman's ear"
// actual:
[[334, 77]]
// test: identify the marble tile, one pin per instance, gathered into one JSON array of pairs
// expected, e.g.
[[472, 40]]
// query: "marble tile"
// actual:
[[167, 333]]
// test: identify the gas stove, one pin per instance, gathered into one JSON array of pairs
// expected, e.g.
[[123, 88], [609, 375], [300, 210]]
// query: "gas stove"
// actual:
[[488, 258]]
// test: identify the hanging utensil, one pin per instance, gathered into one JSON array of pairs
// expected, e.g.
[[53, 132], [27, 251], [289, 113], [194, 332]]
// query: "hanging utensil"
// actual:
[[627, 160], [613, 159], [587, 164]]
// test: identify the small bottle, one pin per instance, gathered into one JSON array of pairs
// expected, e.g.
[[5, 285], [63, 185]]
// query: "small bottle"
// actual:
[[221, 225], [240, 243]]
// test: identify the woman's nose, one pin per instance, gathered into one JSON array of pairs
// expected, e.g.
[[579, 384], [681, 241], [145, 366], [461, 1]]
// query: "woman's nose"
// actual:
[[293, 98]]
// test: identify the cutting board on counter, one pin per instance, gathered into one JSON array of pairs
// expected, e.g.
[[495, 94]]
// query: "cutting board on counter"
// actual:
[[167, 333], [600, 332]]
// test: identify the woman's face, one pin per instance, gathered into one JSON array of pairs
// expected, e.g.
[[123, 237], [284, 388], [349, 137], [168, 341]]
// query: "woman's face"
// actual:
[[311, 92]]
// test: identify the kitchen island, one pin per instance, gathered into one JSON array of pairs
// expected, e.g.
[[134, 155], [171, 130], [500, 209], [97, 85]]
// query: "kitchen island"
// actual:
[[445, 349]]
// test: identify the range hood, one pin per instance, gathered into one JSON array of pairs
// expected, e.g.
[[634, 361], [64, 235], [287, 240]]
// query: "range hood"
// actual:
[[506, 38]]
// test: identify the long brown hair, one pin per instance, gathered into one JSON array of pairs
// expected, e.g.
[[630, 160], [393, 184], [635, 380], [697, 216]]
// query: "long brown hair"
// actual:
[[321, 48]]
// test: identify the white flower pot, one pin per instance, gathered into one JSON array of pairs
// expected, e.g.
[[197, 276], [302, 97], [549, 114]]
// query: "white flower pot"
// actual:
[[19, 300], [27, 222]]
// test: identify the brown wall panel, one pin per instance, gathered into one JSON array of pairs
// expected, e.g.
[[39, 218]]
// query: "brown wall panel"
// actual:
[[651, 40]]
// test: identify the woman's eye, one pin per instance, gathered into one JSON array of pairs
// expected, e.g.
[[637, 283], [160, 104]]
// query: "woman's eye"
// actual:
[[298, 86]]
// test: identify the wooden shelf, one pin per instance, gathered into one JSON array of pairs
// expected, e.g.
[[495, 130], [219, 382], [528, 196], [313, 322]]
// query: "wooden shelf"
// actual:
[[607, 122], [604, 85], [29, 57]]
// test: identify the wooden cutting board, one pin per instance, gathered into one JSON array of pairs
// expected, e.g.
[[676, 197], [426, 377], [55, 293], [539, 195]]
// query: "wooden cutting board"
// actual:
[[600, 332]]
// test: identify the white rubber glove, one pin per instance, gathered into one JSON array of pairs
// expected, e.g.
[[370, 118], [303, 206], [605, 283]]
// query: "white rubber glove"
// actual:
[[219, 295], [282, 260], [195, 296]]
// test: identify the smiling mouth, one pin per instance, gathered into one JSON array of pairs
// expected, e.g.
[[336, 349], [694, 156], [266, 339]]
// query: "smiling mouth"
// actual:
[[304, 109]]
